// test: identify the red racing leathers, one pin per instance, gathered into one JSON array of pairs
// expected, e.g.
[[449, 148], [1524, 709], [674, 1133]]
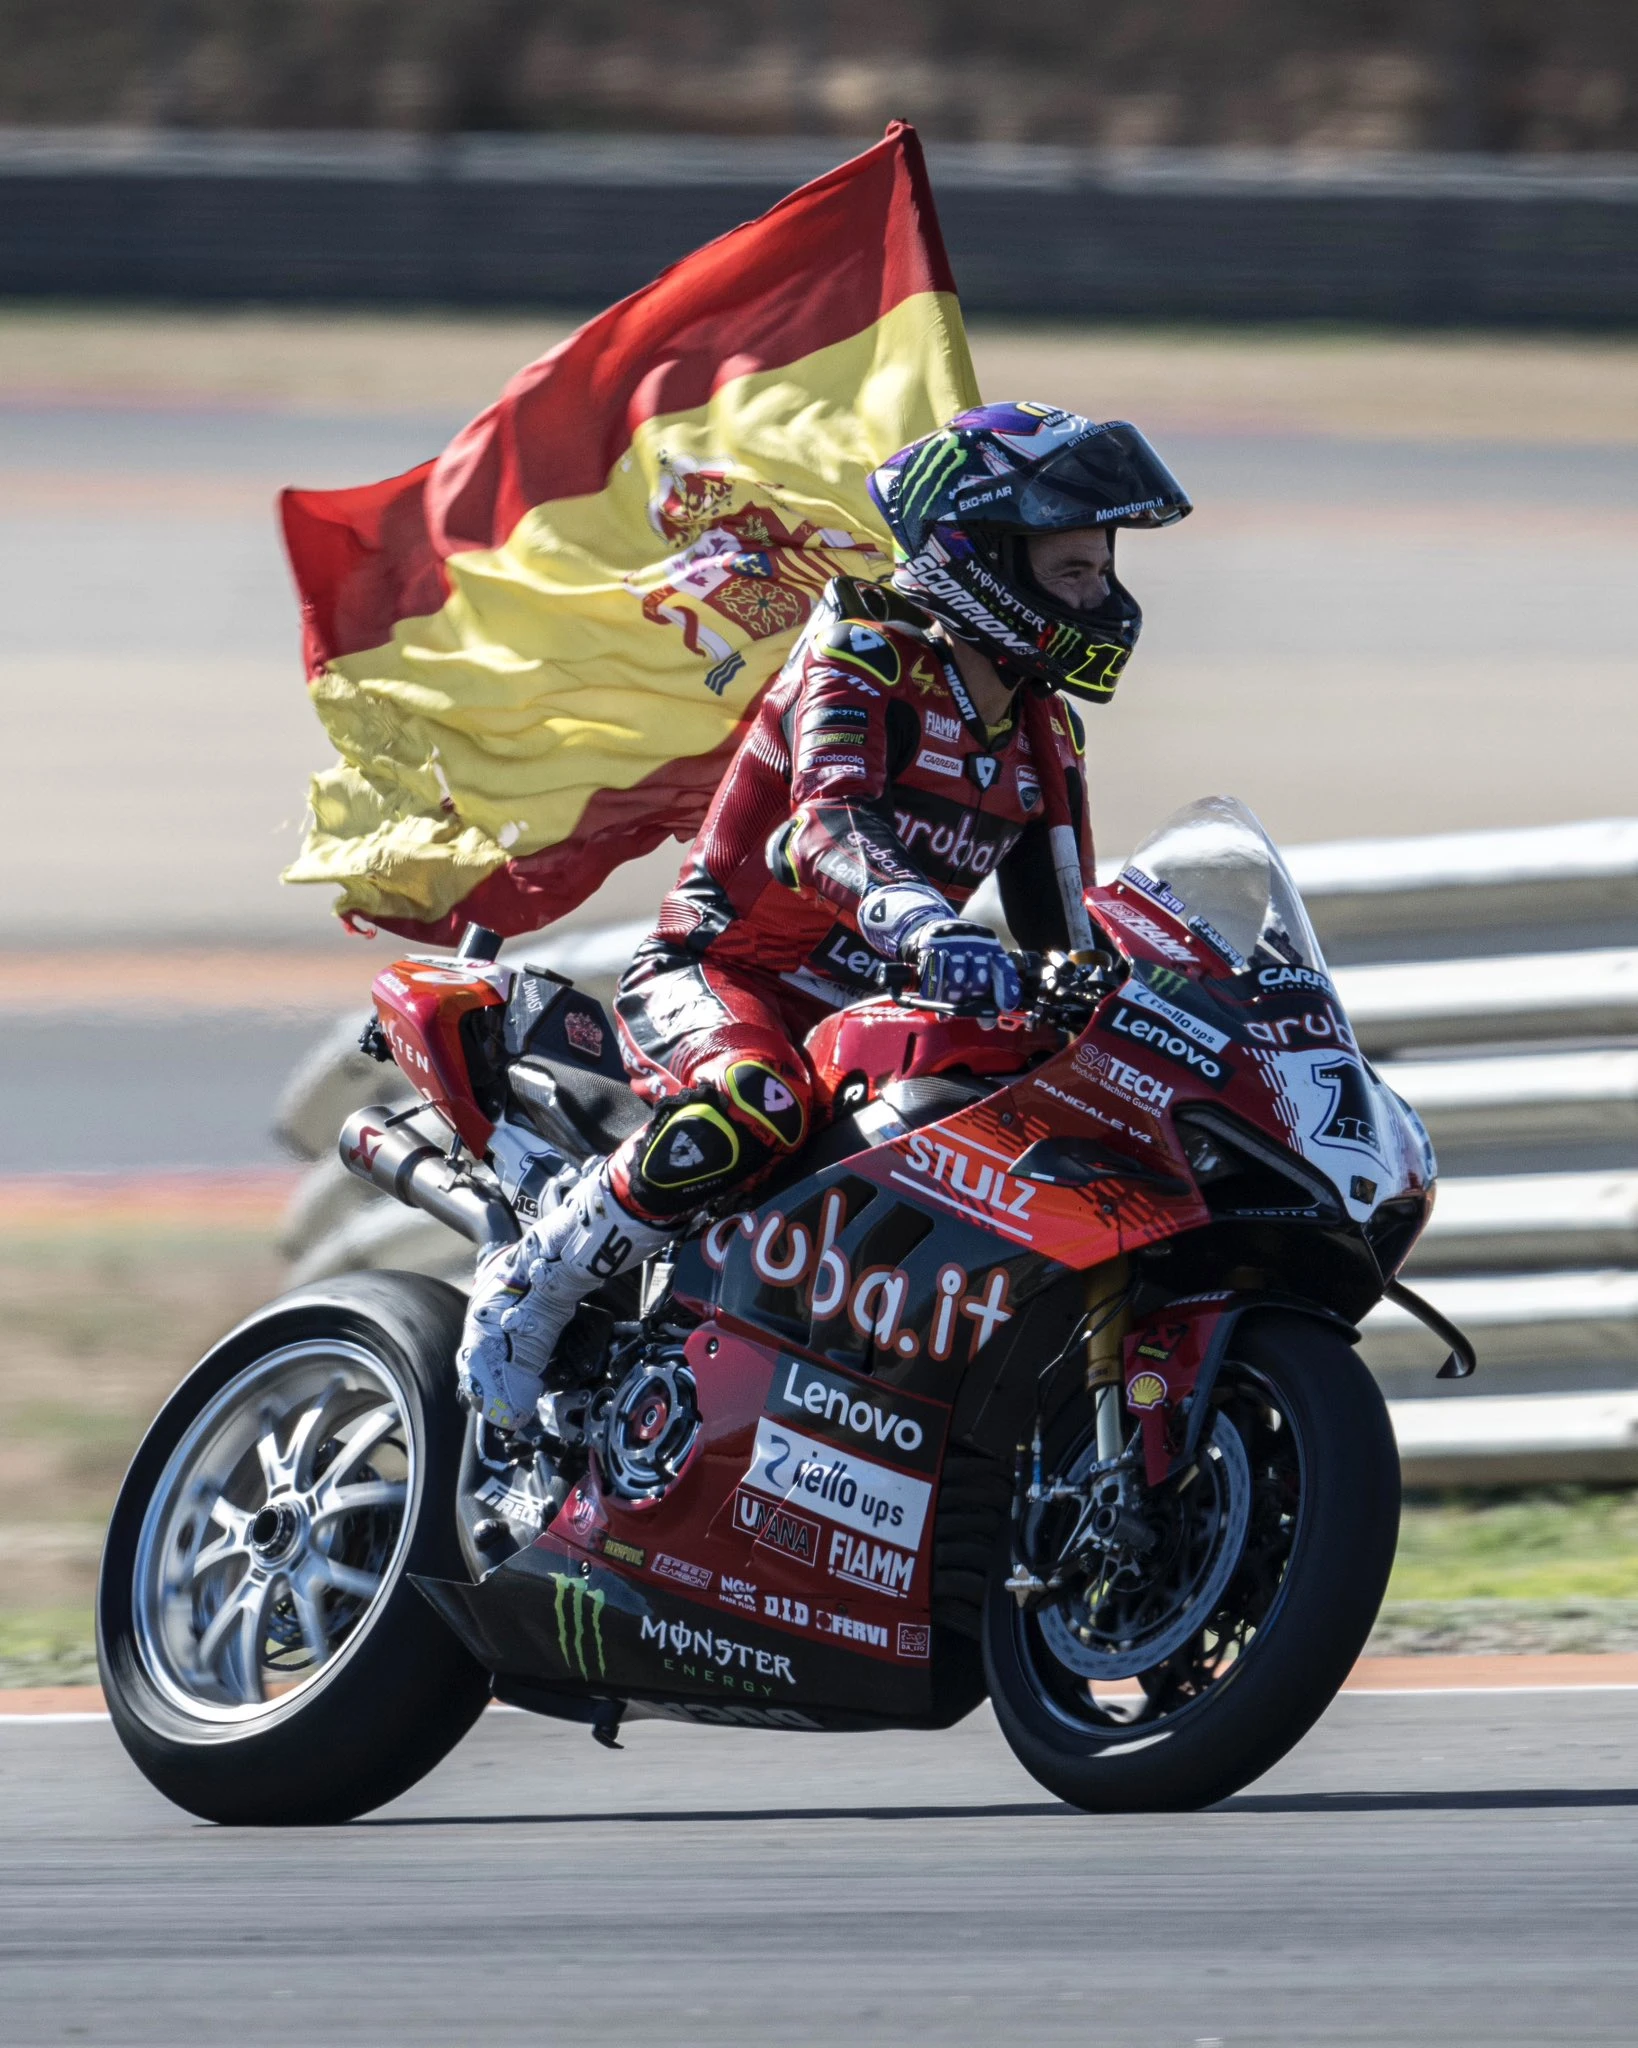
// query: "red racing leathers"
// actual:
[[867, 778]]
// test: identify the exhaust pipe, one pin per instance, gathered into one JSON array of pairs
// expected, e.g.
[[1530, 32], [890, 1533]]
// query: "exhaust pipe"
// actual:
[[400, 1161]]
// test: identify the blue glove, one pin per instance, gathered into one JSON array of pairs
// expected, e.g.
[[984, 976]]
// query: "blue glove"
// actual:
[[966, 965]]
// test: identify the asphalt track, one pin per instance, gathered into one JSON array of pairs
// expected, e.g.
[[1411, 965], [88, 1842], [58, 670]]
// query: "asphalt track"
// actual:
[[1425, 1868], [113, 1094]]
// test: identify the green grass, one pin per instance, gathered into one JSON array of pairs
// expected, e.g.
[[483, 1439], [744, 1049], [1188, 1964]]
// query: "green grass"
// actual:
[[1557, 1544], [48, 1646]]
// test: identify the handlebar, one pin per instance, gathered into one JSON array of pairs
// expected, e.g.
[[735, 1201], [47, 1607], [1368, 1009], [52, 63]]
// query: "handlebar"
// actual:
[[1059, 988]]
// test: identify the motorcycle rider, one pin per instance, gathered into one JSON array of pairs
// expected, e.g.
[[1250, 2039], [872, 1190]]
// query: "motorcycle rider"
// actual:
[[916, 740]]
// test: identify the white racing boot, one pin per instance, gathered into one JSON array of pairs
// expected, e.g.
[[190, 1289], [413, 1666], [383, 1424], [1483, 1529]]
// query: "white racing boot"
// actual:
[[525, 1294]]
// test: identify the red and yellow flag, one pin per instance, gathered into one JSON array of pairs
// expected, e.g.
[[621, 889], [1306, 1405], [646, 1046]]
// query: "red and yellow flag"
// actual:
[[536, 654]]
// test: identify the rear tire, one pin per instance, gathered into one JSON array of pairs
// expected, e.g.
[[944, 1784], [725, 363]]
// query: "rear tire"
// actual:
[[265, 1658], [1189, 1744]]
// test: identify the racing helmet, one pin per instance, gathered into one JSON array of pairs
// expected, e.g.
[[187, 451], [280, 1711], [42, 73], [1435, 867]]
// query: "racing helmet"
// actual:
[[962, 504]]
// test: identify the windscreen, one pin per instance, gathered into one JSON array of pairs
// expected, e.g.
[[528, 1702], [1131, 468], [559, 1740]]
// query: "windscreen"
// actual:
[[1220, 861]]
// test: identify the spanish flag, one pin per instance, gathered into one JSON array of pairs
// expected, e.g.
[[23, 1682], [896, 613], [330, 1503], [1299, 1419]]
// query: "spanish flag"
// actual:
[[536, 654]]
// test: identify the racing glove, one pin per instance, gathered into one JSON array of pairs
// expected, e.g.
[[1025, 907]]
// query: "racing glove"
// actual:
[[964, 964], [958, 962]]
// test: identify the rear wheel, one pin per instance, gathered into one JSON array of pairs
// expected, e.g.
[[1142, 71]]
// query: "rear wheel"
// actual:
[[265, 1658], [1169, 1672]]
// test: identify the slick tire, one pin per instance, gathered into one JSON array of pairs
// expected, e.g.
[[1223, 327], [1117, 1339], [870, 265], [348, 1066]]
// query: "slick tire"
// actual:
[[1346, 1532], [399, 1691]]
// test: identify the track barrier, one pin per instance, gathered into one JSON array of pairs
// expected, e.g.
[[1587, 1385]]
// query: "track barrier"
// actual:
[[579, 220]]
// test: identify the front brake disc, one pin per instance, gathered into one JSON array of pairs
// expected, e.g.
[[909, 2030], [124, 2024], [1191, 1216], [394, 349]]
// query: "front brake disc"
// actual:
[[1113, 1653]]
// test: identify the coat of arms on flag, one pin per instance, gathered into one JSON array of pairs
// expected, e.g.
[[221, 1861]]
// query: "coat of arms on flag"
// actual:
[[536, 654]]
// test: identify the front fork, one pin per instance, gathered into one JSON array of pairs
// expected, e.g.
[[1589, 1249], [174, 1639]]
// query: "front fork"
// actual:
[[1106, 1320], [1108, 1309]]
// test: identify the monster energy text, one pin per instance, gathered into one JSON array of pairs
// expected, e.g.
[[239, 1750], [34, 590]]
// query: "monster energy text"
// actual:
[[715, 1660]]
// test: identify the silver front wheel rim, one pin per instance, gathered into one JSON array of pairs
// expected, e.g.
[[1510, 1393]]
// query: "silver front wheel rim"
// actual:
[[276, 1531]]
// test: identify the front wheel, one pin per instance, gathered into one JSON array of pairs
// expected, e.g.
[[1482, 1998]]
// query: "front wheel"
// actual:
[[1167, 1676], [265, 1657]]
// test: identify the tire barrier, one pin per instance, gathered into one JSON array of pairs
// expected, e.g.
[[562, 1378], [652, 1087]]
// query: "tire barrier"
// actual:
[[1493, 976]]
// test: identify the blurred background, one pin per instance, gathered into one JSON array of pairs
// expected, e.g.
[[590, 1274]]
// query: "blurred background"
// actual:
[[1367, 275], [1501, 75]]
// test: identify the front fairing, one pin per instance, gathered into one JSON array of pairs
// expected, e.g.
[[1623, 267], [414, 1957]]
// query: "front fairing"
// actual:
[[1341, 1117], [1212, 885], [1215, 1106]]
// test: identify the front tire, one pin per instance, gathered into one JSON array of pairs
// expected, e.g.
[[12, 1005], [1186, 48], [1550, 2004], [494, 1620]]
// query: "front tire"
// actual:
[[265, 1658], [1289, 1612]]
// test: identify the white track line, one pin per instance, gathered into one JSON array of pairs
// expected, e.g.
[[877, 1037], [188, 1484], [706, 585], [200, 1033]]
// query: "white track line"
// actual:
[[10, 1720], [1426, 1692], [7, 1716]]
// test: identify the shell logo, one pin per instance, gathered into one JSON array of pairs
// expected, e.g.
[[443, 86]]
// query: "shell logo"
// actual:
[[1148, 1390]]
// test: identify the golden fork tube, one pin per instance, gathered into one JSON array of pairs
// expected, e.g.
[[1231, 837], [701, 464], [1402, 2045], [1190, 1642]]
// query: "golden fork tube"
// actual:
[[1105, 1348]]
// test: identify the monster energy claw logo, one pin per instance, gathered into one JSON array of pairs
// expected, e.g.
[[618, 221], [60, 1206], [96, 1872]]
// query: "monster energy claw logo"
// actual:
[[574, 1599], [928, 473]]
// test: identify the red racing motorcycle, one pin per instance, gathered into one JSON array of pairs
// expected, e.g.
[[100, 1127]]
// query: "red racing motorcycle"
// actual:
[[1032, 1379]]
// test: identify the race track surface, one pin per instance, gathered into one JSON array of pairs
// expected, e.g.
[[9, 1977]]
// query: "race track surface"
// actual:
[[1449, 1868]]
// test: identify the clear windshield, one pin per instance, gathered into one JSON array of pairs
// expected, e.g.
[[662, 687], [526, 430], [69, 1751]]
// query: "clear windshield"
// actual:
[[1215, 855]]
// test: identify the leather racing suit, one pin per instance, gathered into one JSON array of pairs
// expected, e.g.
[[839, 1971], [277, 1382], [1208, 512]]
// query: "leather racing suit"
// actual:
[[866, 772], [863, 807]]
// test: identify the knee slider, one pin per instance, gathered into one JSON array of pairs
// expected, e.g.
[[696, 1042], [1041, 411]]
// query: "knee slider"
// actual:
[[689, 1154], [761, 1098]]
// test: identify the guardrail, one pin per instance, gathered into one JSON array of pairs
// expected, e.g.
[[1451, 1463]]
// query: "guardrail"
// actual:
[[1523, 1063], [576, 221]]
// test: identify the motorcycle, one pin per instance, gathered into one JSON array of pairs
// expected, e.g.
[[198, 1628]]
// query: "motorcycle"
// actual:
[[1033, 1378]]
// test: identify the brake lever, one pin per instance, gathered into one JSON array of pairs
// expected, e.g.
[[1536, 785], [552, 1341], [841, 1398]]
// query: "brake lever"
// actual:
[[895, 979], [1091, 977], [1069, 985]]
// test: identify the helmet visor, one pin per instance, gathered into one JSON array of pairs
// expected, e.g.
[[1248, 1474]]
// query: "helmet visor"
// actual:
[[1110, 477]]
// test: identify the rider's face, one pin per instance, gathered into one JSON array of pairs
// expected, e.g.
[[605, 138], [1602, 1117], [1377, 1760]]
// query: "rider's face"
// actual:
[[1072, 567]]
